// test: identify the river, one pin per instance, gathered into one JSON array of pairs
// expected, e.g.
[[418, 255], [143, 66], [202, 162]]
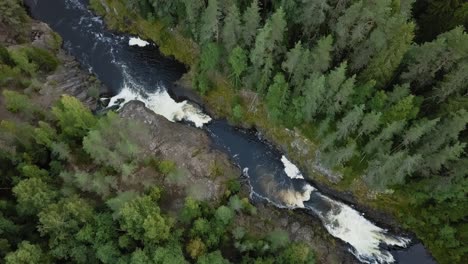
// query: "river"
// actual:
[[134, 69]]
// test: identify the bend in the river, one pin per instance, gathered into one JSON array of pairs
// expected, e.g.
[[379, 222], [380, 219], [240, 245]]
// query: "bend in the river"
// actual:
[[134, 69]]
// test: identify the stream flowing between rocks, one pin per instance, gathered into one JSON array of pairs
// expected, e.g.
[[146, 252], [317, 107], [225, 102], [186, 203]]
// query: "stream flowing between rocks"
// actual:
[[133, 69]]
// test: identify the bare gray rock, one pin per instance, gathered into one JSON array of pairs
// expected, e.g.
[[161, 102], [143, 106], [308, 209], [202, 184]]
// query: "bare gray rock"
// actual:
[[204, 170]]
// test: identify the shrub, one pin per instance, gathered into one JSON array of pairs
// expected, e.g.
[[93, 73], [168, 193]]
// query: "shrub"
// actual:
[[44, 59], [166, 167], [16, 102], [5, 57], [237, 112], [22, 61], [14, 16]]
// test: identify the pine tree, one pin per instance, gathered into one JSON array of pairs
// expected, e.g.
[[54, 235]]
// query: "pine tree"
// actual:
[[382, 143], [443, 141], [232, 29], [370, 123], [350, 122], [451, 152], [453, 84], [321, 55], [210, 22], [313, 94], [371, 33], [405, 109], [418, 129], [268, 46], [238, 62], [194, 10], [312, 15], [343, 97], [296, 65], [390, 169], [382, 66], [251, 23], [335, 80], [277, 98], [428, 62]]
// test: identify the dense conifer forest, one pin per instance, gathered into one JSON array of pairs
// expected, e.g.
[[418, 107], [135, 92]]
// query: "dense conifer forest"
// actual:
[[380, 85]]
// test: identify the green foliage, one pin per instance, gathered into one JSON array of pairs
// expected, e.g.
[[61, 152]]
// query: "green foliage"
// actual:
[[278, 239], [60, 222], [251, 23], [277, 97], [121, 151], [171, 255], [224, 215], [232, 28], [74, 119], [237, 112], [14, 17], [27, 253], [142, 220], [210, 56], [238, 62], [191, 210], [43, 59], [5, 57], [166, 167], [33, 195], [297, 253], [194, 9], [268, 46], [210, 22], [16, 102], [212, 258], [23, 62], [196, 248]]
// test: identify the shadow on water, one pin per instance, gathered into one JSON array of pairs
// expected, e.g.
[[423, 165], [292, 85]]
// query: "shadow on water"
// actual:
[[149, 76]]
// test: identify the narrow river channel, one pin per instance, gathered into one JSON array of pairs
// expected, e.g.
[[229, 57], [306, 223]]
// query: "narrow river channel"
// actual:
[[134, 69]]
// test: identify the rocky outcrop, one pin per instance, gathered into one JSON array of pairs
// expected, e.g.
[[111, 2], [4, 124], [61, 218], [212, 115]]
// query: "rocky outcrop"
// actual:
[[300, 227], [69, 78], [204, 170]]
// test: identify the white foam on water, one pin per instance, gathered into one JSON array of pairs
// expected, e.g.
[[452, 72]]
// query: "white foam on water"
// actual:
[[291, 170], [295, 199], [75, 3], [288, 198], [160, 102], [138, 42], [350, 226]]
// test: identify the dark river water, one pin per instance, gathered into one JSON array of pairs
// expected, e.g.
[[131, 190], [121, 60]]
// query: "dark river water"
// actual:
[[141, 72]]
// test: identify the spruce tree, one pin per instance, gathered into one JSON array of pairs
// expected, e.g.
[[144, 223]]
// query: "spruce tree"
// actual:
[[210, 22], [251, 23], [277, 98], [232, 29]]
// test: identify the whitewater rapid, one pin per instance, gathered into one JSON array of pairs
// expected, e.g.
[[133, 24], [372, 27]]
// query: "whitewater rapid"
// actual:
[[368, 242], [159, 102]]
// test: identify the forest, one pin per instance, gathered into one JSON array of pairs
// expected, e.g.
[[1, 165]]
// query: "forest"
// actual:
[[380, 85], [74, 191]]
